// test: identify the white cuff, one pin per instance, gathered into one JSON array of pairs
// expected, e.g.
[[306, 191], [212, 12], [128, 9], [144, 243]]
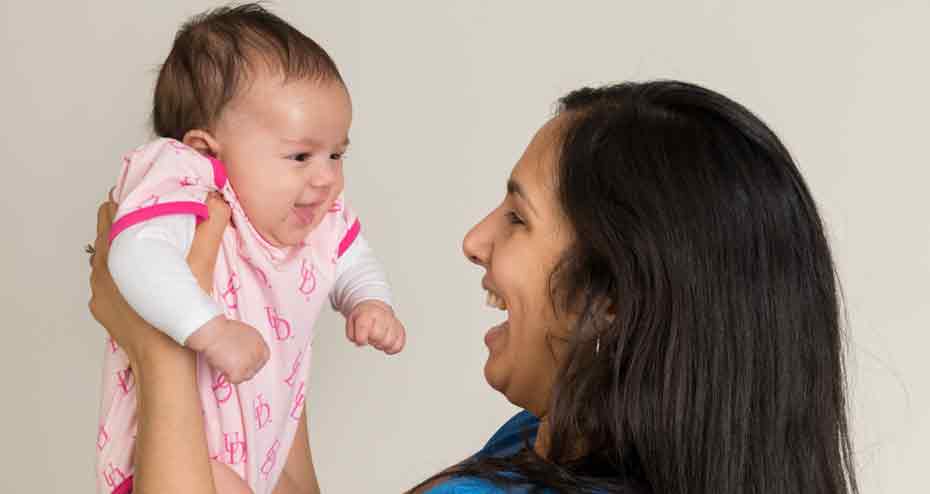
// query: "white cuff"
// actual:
[[359, 277]]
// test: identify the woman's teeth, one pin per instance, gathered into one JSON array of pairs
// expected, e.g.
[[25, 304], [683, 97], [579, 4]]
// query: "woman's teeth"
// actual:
[[493, 300]]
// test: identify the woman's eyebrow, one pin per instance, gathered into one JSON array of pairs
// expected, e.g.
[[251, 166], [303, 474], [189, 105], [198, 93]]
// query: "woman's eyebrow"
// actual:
[[514, 188]]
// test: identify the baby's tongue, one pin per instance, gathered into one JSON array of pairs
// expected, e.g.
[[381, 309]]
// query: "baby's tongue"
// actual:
[[305, 213]]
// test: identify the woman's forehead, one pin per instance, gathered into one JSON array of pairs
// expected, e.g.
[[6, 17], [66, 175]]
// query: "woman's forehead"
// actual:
[[536, 177], [535, 172]]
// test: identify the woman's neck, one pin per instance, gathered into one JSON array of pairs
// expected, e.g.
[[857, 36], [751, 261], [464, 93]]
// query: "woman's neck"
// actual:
[[544, 441], [541, 445]]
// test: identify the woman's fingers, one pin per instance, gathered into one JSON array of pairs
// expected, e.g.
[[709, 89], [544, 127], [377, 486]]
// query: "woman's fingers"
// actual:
[[106, 303], [104, 219], [207, 241], [98, 259], [220, 214]]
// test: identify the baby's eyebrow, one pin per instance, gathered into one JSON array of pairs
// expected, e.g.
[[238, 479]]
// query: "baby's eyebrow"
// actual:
[[311, 141]]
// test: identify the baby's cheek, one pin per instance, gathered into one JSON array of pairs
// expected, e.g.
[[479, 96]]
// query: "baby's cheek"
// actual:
[[338, 188]]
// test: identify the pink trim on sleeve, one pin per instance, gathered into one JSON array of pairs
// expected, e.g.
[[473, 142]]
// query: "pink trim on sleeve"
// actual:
[[219, 172], [125, 487], [138, 216], [349, 238]]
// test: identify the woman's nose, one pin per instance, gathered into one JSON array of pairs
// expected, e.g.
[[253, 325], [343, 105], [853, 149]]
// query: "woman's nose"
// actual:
[[477, 244]]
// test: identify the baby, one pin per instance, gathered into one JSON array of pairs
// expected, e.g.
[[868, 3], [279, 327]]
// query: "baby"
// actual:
[[250, 108]]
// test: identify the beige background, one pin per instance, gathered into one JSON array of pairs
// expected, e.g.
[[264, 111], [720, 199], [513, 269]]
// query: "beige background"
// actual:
[[447, 94]]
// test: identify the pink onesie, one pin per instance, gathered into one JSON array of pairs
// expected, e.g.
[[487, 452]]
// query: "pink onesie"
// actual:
[[279, 291]]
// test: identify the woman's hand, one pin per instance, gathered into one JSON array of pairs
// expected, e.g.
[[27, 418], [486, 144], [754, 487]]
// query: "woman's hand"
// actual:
[[136, 337], [167, 457], [106, 303], [207, 240]]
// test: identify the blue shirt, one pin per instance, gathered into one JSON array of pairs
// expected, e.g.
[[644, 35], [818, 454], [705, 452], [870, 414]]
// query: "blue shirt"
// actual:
[[507, 441]]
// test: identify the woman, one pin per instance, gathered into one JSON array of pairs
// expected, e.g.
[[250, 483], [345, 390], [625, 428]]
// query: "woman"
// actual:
[[672, 314]]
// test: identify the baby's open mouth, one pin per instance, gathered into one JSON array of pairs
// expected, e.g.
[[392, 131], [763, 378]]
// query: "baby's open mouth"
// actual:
[[305, 212]]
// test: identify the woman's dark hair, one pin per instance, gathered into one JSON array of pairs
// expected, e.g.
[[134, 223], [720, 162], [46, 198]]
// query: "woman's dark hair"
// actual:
[[213, 55], [709, 354]]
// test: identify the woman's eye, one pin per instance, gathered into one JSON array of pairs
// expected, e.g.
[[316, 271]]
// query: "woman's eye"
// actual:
[[513, 218]]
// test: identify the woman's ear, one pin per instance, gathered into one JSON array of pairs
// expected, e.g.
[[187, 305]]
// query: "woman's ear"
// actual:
[[203, 142], [610, 313], [606, 311]]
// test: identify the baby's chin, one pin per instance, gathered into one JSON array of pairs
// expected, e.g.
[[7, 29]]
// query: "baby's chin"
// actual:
[[287, 235], [291, 232], [295, 236]]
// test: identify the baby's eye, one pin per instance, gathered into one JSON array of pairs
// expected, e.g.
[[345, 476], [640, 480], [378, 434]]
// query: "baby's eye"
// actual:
[[337, 156], [300, 157]]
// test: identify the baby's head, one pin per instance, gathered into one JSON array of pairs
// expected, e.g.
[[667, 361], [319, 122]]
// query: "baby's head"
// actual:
[[242, 85]]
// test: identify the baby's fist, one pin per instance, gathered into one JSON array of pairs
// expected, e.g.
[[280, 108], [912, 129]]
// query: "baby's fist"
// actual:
[[232, 347], [373, 322]]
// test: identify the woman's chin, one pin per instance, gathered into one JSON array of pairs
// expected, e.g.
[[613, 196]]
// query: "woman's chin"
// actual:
[[494, 376], [495, 372]]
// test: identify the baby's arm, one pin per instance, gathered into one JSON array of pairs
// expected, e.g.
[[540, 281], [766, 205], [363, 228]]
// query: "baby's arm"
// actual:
[[362, 294], [148, 264], [359, 277], [147, 261]]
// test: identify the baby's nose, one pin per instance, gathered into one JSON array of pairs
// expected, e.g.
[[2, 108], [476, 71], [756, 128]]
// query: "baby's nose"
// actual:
[[324, 176]]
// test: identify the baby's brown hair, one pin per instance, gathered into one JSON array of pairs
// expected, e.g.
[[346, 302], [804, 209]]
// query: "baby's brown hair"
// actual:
[[213, 55]]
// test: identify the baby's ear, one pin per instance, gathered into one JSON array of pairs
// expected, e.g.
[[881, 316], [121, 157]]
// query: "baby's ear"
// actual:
[[203, 142]]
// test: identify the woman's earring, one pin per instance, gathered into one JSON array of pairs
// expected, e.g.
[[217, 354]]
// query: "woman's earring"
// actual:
[[597, 346]]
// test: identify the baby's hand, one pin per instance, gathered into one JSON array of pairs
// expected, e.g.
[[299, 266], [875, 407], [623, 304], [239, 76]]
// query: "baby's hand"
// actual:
[[232, 347], [373, 323]]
